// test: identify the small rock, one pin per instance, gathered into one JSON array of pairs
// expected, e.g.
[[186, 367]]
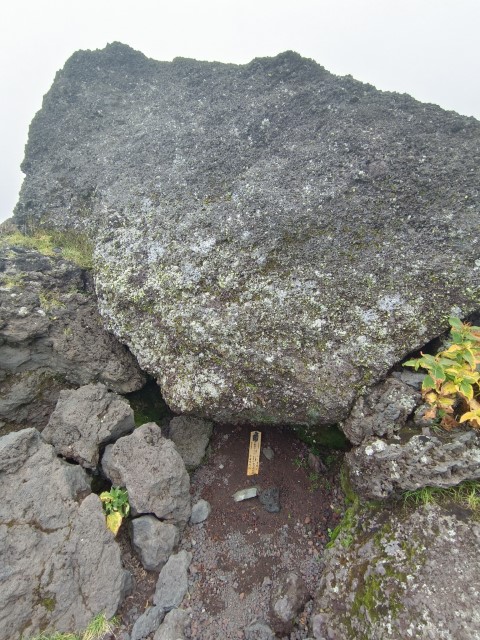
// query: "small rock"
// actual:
[[147, 623], [172, 582], [154, 541], [287, 600], [241, 596], [270, 499], [200, 511], [268, 453], [315, 464], [307, 520], [258, 630], [173, 627], [245, 494], [191, 437]]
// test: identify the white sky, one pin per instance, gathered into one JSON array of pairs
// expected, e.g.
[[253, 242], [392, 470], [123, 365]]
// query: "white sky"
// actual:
[[428, 48]]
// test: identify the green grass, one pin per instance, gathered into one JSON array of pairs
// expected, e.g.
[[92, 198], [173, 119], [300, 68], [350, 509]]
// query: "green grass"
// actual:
[[96, 630], [74, 246], [466, 494]]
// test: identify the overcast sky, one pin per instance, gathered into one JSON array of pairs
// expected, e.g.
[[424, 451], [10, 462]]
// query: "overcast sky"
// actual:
[[427, 48]]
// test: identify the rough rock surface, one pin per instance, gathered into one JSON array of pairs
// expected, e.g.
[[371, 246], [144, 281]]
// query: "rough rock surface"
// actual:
[[173, 627], [191, 436], [154, 541], [385, 468], [172, 582], [86, 419], [59, 564], [288, 600], [200, 511], [52, 337], [147, 623], [382, 412], [271, 238], [258, 631], [404, 574], [153, 472]]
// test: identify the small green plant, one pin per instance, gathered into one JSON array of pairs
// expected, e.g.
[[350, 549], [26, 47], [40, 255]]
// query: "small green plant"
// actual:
[[299, 463], [49, 301], [96, 630], [115, 506], [451, 386], [466, 494]]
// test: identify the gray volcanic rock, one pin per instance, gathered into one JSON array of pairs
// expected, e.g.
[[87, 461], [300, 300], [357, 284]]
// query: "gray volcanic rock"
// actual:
[[401, 574], [153, 472], [271, 238], [52, 337], [288, 600], [385, 468], [191, 437], [381, 412], [172, 583], [154, 541], [59, 564], [86, 419], [173, 627]]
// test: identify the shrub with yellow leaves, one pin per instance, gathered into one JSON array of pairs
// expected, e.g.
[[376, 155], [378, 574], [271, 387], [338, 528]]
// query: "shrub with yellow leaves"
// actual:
[[451, 386]]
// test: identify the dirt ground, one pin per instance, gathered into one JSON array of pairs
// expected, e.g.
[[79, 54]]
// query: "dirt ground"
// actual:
[[241, 550]]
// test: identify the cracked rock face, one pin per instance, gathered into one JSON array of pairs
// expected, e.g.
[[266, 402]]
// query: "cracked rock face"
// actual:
[[402, 574], [52, 337], [59, 564], [386, 468], [86, 419], [270, 238]]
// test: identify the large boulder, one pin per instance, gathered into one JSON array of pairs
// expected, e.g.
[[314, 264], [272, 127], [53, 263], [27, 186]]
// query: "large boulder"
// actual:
[[153, 472], [407, 573], [59, 564], [86, 419], [270, 238], [52, 337]]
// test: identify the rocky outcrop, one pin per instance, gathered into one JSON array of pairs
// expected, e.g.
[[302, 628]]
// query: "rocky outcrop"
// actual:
[[172, 582], [86, 419], [52, 337], [270, 238], [60, 565], [191, 437], [154, 474], [385, 468], [402, 574], [381, 412]]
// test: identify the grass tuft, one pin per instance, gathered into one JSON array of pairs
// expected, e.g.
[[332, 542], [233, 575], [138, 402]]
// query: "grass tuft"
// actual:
[[99, 627], [466, 494], [74, 246]]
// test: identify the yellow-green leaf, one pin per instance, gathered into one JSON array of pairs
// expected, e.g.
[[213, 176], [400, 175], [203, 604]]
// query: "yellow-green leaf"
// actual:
[[428, 383], [114, 520]]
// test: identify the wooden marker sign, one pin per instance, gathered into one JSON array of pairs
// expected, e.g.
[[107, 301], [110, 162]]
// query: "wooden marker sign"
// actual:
[[254, 453]]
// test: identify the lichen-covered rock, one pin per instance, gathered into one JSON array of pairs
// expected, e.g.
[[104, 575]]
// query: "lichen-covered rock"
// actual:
[[154, 541], [52, 337], [384, 468], [153, 472], [381, 412], [270, 238], [59, 564], [191, 437], [401, 574], [86, 419]]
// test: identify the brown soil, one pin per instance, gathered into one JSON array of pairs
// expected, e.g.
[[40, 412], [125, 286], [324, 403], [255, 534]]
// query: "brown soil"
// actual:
[[241, 550]]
